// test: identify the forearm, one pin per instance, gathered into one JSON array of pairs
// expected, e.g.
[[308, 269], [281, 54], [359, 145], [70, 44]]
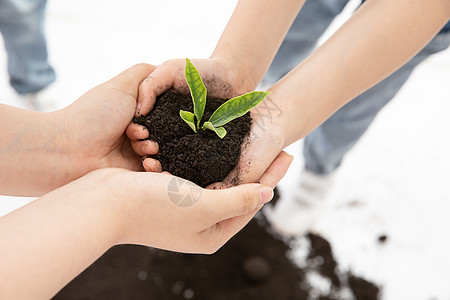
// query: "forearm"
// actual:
[[30, 152], [253, 35], [48, 242], [380, 37]]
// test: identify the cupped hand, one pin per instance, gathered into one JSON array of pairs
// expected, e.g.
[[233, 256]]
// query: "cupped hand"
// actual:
[[167, 212], [221, 77], [93, 130], [261, 146], [222, 80]]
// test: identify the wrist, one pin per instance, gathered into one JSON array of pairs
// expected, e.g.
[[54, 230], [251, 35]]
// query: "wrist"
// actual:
[[55, 150], [287, 119], [102, 209], [237, 74], [30, 153]]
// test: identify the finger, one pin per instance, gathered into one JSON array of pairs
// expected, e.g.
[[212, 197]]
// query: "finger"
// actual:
[[136, 132], [144, 148], [129, 80], [152, 165], [154, 85], [276, 170], [223, 204]]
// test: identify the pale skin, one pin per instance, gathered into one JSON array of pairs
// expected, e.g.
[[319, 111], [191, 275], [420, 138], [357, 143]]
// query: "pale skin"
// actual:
[[99, 199], [379, 38], [48, 150]]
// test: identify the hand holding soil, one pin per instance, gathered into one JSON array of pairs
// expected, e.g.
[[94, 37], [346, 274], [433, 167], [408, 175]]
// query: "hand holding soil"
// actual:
[[70, 227], [58, 147], [221, 78], [192, 151]]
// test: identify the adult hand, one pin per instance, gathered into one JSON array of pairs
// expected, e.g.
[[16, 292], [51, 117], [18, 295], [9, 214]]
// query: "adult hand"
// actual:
[[261, 146], [98, 120], [58, 147], [69, 228], [222, 78], [171, 213]]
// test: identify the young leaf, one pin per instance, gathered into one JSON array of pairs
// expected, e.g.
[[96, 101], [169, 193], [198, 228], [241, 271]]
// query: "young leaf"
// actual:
[[188, 117], [197, 88], [236, 107], [220, 131]]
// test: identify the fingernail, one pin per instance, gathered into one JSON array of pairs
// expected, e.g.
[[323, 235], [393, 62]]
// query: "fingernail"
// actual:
[[138, 135], [266, 194]]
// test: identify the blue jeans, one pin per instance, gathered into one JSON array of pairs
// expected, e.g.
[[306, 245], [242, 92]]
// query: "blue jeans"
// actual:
[[22, 27], [325, 147]]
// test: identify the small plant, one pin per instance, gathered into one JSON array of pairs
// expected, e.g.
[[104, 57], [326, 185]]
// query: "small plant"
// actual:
[[230, 110]]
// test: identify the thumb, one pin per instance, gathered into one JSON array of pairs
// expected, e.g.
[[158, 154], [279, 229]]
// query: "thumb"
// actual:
[[154, 85], [236, 201], [129, 80]]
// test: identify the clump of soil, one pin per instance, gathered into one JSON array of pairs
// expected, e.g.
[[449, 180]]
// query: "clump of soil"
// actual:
[[202, 157], [253, 265]]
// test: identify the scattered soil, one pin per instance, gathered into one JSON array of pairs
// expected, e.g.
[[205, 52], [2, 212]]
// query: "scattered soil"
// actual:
[[252, 265], [202, 157]]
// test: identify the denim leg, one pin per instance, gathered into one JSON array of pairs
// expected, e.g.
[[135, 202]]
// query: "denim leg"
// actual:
[[22, 27], [309, 25], [326, 146]]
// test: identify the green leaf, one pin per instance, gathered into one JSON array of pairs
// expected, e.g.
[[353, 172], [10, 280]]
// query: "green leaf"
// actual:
[[220, 131], [236, 107], [197, 88], [188, 117]]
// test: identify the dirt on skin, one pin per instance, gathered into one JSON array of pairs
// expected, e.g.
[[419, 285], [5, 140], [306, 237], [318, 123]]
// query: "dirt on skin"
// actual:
[[202, 157], [253, 265]]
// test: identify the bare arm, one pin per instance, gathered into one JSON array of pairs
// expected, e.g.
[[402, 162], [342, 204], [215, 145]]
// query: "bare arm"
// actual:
[[379, 38], [40, 152], [242, 55], [48, 242], [253, 35]]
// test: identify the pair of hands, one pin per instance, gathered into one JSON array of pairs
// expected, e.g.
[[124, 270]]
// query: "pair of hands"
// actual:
[[222, 80], [99, 121]]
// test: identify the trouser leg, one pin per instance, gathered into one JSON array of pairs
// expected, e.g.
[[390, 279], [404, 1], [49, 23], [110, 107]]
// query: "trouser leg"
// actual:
[[22, 27], [309, 25], [325, 148]]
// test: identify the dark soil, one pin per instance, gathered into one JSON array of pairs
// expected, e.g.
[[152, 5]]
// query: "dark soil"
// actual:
[[202, 157], [252, 265]]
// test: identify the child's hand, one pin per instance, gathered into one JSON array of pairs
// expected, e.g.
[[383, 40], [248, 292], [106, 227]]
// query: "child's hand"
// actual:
[[221, 78]]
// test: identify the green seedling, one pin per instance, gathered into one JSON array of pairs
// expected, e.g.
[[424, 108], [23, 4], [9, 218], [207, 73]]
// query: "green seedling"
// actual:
[[230, 110]]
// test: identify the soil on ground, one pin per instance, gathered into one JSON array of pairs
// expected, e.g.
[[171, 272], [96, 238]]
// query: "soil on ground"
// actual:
[[254, 264], [202, 157]]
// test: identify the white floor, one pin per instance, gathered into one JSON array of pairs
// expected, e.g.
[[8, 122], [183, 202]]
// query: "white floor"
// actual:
[[398, 173]]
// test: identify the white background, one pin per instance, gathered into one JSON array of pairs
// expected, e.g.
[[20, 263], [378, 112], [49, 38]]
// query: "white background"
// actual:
[[398, 173]]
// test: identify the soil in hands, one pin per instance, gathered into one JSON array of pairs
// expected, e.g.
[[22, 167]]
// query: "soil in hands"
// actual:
[[202, 157]]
